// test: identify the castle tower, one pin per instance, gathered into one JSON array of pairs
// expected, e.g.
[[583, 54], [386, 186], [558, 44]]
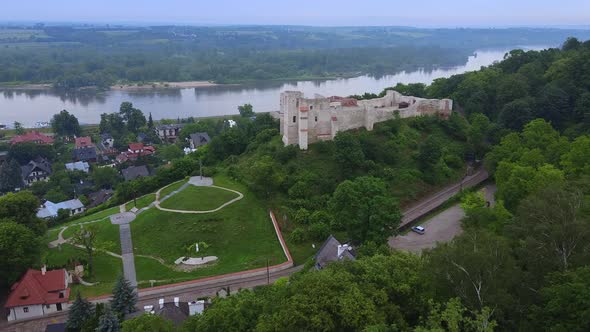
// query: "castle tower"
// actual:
[[290, 116]]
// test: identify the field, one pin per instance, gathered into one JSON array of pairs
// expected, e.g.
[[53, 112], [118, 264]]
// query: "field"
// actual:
[[241, 235], [199, 199], [142, 202]]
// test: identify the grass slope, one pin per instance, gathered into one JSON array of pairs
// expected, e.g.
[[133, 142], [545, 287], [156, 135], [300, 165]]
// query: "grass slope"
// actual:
[[142, 202], [241, 235]]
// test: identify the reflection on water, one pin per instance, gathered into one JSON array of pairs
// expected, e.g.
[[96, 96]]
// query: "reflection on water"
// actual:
[[31, 106]]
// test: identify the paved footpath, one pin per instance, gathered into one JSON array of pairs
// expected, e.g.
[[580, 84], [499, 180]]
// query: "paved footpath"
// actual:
[[127, 253]]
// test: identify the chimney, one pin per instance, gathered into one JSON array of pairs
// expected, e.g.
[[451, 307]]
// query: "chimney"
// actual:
[[43, 269], [196, 307], [342, 248], [176, 301], [161, 303]]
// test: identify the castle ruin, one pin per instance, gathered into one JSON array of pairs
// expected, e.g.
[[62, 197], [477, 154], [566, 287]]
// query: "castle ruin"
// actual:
[[305, 121]]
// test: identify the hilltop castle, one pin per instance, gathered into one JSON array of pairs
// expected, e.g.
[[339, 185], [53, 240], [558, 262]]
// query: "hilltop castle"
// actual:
[[305, 121]]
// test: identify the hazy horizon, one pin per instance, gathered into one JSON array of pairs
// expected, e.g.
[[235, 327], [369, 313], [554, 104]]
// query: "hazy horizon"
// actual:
[[420, 13]]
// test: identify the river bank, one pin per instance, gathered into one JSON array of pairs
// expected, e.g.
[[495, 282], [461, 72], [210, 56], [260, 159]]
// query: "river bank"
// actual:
[[119, 87]]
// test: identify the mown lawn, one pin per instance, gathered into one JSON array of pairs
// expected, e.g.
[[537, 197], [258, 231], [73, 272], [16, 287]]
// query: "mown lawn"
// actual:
[[142, 202], [106, 269], [241, 235], [107, 236], [195, 198]]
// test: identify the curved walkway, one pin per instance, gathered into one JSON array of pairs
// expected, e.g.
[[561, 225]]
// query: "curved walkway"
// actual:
[[195, 182]]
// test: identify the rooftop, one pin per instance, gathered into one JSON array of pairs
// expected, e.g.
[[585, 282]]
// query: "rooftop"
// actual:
[[83, 142], [32, 136], [38, 288]]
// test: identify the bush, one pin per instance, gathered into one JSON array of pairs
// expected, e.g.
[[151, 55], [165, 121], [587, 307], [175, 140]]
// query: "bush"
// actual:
[[298, 235]]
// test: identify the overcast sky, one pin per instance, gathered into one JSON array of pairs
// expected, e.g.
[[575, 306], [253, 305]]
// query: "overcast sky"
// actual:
[[305, 12]]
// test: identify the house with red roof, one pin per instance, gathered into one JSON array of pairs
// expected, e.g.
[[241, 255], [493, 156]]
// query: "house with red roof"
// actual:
[[32, 137], [83, 142], [134, 151], [38, 293]]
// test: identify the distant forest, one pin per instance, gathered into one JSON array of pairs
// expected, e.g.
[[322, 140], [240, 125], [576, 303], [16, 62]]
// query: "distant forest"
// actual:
[[80, 56]]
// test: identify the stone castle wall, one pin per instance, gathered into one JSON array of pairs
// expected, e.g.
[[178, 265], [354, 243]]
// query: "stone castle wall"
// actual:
[[305, 121]]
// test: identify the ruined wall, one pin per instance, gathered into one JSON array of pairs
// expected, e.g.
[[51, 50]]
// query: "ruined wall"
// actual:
[[305, 121]]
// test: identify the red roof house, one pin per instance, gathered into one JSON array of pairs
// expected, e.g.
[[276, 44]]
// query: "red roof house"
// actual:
[[83, 142], [34, 137], [38, 293]]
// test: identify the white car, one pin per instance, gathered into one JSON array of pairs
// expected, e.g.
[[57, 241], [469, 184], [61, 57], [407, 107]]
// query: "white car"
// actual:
[[419, 229]]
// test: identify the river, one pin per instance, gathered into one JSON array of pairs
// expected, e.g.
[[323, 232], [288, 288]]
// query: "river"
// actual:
[[32, 106]]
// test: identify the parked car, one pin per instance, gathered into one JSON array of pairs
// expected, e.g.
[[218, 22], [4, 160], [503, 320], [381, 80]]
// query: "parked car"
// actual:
[[419, 229]]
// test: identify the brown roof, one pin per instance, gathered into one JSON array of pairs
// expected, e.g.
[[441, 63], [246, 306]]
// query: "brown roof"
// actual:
[[36, 288], [82, 142], [135, 146], [34, 136]]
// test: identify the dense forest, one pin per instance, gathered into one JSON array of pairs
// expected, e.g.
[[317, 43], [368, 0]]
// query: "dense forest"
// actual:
[[521, 265], [80, 56]]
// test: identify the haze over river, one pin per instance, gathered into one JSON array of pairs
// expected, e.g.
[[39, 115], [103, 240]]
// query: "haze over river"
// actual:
[[32, 106]]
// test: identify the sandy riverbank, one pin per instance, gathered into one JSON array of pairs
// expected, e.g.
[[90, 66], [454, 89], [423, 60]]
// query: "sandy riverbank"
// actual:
[[163, 85], [121, 87]]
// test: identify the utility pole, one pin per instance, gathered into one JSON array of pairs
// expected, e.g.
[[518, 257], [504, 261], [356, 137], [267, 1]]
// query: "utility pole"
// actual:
[[267, 273]]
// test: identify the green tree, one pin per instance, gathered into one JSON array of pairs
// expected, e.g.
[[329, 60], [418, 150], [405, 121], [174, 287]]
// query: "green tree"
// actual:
[[364, 209], [10, 176], [514, 115], [478, 268], [147, 322], [266, 176], [79, 312], [105, 177], [477, 134], [552, 230], [246, 110], [170, 152], [108, 322], [565, 302], [18, 128], [19, 250], [65, 124], [86, 237], [454, 317], [124, 297], [349, 153], [22, 208], [576, 161], [150, 122]]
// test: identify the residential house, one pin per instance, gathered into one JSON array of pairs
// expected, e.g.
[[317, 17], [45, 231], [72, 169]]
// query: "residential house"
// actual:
[[169, 133], [134, 172], [35, 171], [78, 166], [176, 311], [107, 140], [99, 197], [134, 151], [87, 154], [50, 209], [331, 251], [83, 142], [32, 137], [38, 293], [197, 140]]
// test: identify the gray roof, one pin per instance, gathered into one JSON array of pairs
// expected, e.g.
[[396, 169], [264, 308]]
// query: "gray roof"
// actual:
[[170, 126], [200, 139], [106, 136], [39, 163], [85, 154], [51, 209], [134, 172], [99, 197], [171, 312], [329, 253]]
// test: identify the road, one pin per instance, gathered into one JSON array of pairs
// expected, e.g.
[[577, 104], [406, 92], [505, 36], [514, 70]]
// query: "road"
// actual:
[[430, 203], [442, 227], [191, 292]]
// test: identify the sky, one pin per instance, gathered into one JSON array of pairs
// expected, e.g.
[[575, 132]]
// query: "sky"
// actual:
[[421, 13]]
